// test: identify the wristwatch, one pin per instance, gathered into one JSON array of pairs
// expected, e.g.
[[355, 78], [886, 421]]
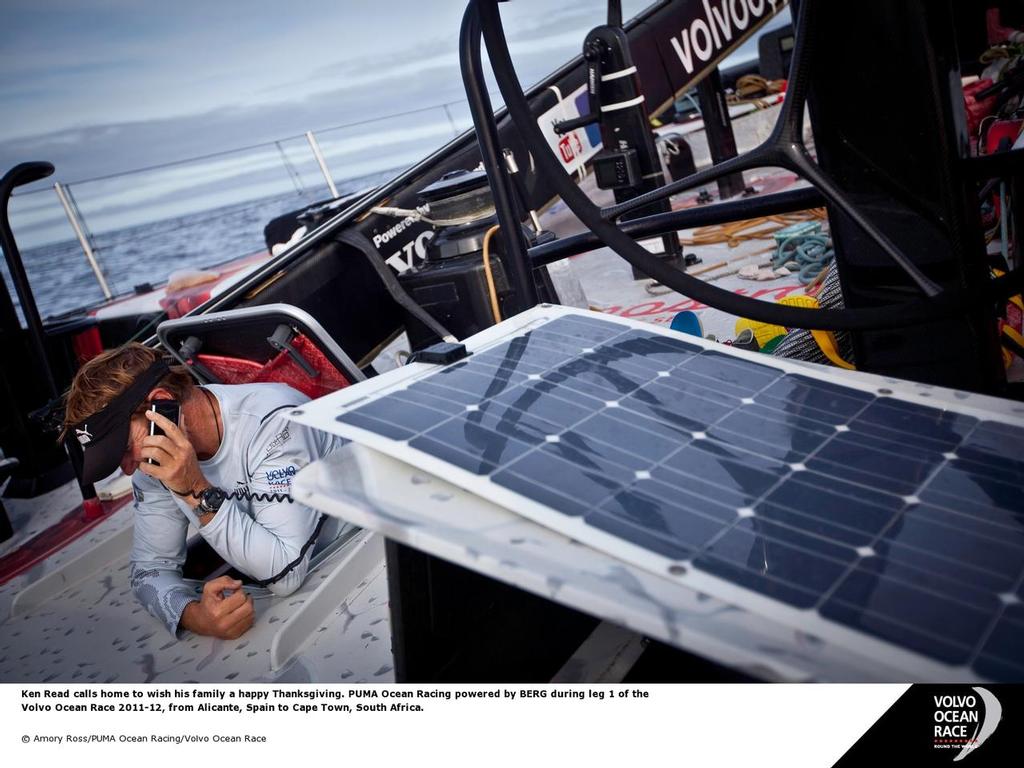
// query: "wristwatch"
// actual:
[[210, 501]]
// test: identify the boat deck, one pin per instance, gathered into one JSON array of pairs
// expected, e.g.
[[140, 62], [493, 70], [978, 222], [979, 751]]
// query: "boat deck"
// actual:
[[79, 596]]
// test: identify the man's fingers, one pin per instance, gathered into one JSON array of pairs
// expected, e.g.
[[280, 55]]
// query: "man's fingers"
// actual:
[[155, 471], [169, 427], [214, 587], [222, 582], [239, 620], [160, 455], [242, 611], [232, 602], [162, 442]]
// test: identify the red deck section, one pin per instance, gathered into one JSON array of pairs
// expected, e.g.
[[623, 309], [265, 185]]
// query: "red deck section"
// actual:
[[77, 522], [281, 369]]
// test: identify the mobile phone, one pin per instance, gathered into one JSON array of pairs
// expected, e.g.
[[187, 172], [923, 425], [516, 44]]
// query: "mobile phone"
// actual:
[[170, 409]]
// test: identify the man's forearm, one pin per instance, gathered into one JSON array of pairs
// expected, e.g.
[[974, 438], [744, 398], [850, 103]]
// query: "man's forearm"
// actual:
[[265, 546], [162, 592]]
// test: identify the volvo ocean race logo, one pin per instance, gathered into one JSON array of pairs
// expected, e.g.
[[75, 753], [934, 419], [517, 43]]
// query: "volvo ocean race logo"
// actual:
[[404, 259], [281, 479], [965, 722], [723, 21]]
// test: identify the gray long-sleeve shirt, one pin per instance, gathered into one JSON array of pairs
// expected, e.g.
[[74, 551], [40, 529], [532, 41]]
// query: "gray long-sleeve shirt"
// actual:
[[261, 451]]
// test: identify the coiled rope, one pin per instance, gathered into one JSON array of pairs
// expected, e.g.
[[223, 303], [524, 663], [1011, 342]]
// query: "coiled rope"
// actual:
[[808, 255]]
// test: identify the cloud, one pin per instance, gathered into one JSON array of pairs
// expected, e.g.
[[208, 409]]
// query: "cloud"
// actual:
[[121, 92]]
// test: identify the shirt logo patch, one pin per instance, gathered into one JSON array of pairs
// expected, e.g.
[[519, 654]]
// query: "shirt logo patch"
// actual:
[[83, 435], [281, 479], [280, 439]]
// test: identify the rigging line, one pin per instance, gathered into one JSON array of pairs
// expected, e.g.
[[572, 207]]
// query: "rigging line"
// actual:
[[20, 192], [293, 174], [81, 219], [262, 145]]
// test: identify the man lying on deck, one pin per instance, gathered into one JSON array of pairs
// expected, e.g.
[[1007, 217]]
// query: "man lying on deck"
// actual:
[[226, 468]]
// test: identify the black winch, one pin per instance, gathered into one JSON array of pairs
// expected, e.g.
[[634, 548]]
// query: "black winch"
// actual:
[[452, 283]]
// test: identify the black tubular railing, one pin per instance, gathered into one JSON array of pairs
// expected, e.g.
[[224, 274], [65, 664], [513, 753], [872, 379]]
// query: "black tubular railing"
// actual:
[[663, 223], [785, 148]]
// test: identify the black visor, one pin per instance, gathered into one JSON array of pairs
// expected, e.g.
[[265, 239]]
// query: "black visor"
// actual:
[[104, 435]]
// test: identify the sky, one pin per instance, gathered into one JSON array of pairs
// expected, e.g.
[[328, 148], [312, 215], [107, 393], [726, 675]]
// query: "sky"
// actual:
[[109, 85], [99, 87]]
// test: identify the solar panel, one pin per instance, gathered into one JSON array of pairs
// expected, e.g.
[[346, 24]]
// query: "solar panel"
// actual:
[[757, 482]]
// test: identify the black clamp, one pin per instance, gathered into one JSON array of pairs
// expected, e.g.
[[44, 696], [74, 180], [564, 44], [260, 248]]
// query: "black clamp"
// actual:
[[189, 352], [281, 340], [442, 353]]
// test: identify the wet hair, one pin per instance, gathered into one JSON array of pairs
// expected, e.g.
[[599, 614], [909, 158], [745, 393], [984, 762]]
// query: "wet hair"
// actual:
[[109, 374]]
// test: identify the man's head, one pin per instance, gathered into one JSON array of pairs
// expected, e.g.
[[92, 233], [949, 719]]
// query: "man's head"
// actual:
[[107, 398]]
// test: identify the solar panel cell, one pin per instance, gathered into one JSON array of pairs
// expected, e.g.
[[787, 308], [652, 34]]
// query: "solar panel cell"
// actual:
[[676, 527], [496, 442], [889, 627], [418, 396], [729, 374], [359, 419], [940, 626], [762, 430], [863, 459], [591, 454], [758, 558], [999, 669], [830, 507], [960, 485], [478, 383], [542, 400], [915, 528], [529, 486], [693, 497], [455, 396], [687, 413], [985, 451], [592, 380], [915, 425], [587, 485], [587, 329], [630, 434], [812, 399], [947, 583], [901, 555], [694, 466]]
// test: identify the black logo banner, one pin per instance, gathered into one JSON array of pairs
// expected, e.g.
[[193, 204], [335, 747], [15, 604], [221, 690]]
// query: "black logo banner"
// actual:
[[945, 725]]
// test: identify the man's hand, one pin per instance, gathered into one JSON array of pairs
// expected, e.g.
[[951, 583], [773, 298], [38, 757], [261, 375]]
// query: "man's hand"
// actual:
[[224, 617], [177, 466]]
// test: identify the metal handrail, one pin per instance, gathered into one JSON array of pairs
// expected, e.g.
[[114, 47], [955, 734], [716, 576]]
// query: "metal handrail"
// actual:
[[80, 228]]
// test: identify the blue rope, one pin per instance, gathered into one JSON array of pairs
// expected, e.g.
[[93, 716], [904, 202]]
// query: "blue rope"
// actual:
[[807, 255]]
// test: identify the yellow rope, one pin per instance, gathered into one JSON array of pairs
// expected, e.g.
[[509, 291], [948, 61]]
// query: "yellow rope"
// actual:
[[490, 277], [826, 341], [753, 88], [736, 232]]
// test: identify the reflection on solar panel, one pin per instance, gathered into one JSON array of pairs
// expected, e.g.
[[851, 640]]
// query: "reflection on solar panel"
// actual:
[[896, 519]]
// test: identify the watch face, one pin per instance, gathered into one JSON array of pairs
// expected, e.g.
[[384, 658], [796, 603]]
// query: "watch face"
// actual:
[[212, 498]]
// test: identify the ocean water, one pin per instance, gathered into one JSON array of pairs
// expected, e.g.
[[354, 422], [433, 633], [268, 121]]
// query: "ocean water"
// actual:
[[62, 280]]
